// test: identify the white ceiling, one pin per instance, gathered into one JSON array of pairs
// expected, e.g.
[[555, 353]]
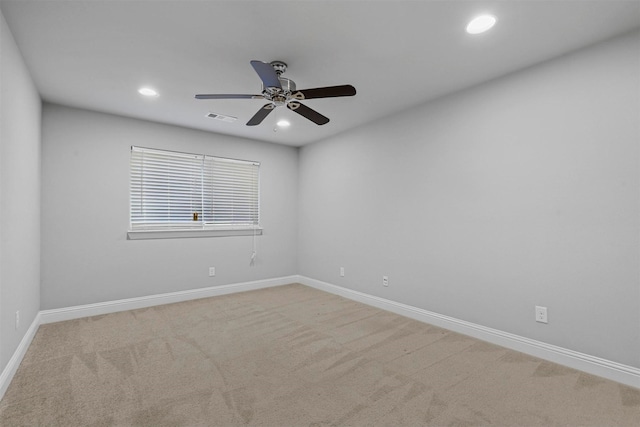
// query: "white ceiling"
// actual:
[[95, 54]]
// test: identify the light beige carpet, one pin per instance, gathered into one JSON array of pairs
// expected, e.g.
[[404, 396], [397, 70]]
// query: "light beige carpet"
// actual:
[[292, 356]]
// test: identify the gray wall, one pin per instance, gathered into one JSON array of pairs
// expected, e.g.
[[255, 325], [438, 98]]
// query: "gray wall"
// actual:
[[19, 196], [85, 213], [523, 191]]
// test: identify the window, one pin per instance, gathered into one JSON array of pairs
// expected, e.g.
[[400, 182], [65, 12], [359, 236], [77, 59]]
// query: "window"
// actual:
[[171, 191]]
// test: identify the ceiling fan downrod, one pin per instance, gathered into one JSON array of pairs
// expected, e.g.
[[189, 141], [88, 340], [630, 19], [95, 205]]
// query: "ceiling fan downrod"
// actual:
[[279, 66]]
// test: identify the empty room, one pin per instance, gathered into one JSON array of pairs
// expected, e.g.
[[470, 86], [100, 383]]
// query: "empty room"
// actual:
[[310, 213]]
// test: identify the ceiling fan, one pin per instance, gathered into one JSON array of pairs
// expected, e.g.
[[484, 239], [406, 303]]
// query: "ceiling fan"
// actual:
[[281, 91]]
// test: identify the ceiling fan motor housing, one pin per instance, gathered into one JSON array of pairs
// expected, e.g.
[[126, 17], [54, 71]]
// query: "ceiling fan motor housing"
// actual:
[[280, 95]]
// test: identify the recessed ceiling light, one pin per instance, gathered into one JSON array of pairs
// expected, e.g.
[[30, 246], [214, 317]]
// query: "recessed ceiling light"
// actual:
[[147, 91], [283, 123], [481, 24]]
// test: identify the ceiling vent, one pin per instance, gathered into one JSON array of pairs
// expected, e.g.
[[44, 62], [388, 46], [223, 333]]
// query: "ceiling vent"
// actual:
[[222, 117]]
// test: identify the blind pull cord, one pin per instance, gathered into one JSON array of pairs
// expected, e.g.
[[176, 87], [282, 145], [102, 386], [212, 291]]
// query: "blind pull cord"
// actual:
[[254, 253]]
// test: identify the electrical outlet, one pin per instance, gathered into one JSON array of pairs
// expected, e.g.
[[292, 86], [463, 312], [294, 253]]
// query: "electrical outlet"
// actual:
[[385, 281], [541, 314], [341, 271], [17, 319], [212, 271]]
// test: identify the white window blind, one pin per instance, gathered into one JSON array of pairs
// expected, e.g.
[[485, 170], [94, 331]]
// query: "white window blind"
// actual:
[[177, 191]]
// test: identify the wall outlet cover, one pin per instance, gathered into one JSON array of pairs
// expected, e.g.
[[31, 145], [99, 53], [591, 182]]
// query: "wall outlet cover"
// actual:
[[541, 314]]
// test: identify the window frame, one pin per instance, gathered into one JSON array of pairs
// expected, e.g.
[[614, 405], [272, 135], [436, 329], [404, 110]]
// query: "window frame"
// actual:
[[199, 228]]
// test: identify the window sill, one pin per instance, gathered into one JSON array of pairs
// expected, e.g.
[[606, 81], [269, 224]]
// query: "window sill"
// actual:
[[181, 234]]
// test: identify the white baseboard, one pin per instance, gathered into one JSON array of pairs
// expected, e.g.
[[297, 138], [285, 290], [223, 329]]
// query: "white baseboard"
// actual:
[[10, 370], [68, 313], [614, 371], [605, 368]]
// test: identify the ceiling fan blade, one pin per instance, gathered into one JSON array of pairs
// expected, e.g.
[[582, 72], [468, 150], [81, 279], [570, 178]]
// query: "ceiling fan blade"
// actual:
[[266, 73], [325, 92], [228, 96], [307, 112], [261, 114]]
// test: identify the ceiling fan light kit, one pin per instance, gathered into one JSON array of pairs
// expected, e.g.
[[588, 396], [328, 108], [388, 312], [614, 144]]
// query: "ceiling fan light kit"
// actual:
[[281, 91]]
